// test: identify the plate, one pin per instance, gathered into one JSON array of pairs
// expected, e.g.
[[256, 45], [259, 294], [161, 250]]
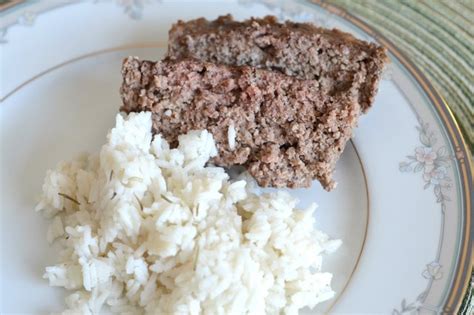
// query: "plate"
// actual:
[[402, 206]]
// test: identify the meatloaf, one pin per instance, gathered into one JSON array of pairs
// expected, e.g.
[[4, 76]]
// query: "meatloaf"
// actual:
[[287, 131], [337, 60]]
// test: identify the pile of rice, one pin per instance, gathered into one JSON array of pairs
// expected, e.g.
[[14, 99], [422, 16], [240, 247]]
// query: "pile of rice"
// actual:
[[148, 229]]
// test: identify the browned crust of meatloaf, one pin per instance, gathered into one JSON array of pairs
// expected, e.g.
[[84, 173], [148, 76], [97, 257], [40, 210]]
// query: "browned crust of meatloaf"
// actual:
[[289, 131], [336, 59]]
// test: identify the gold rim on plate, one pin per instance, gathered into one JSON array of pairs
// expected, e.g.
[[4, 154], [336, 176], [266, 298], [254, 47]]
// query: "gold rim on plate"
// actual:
[[465, 263]]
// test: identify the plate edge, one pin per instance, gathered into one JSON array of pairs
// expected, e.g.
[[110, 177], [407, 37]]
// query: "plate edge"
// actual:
[[460, 282]]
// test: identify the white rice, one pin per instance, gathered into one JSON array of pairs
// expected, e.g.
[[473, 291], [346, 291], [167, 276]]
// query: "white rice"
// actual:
[[231, 135], [149, 229]]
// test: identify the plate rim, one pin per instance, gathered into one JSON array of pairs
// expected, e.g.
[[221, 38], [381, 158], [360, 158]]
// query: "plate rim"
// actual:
[[464, 266]]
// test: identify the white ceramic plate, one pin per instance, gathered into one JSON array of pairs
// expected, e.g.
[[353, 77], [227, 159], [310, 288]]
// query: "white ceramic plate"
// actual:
[[402, 206]]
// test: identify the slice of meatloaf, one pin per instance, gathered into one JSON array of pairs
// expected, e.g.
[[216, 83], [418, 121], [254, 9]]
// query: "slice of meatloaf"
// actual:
[[338, 60], [287, 131]]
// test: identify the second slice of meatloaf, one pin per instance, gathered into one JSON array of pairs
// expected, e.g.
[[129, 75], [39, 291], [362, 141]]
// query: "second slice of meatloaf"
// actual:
[[288, 132], [338, 60]]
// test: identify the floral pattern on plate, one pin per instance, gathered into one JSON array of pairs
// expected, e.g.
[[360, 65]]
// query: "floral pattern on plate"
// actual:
[[431, 162]]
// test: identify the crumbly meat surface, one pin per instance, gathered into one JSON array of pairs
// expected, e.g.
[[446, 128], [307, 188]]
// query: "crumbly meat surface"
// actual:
[[288, 131], [337, 60]]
